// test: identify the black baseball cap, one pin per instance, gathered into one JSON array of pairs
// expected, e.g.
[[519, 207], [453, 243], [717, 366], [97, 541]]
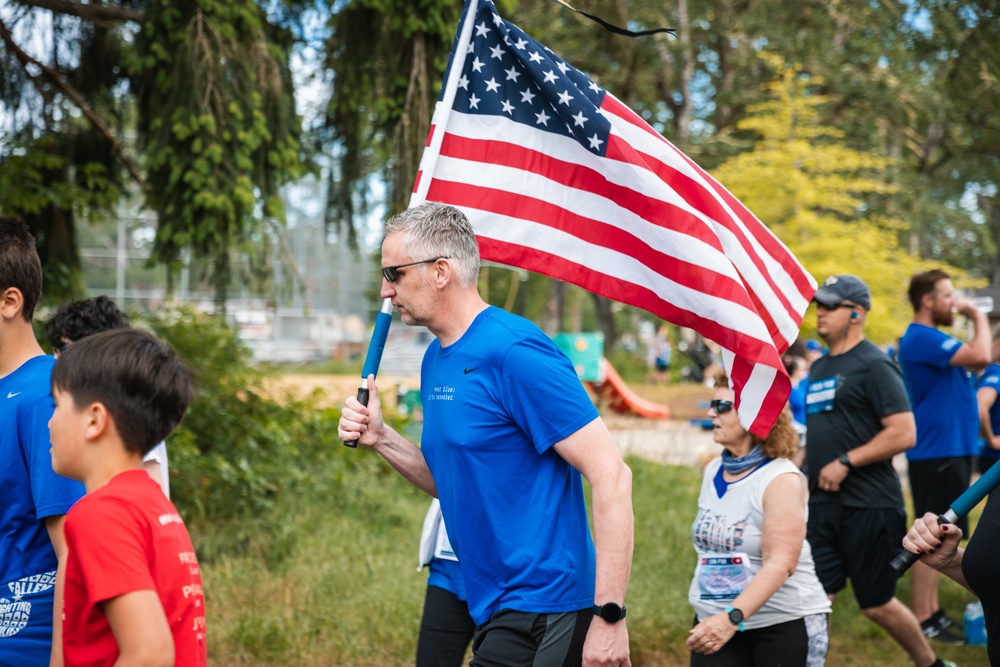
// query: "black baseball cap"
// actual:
[[838, 288]]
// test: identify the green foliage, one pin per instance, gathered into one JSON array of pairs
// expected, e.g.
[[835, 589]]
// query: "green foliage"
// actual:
[[812, 190], [219, 123], [387, 58], [328, 578], [238, 449], [41, 182]]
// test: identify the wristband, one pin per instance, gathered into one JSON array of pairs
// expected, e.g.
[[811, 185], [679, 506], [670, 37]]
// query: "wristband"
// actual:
[[736, 617]]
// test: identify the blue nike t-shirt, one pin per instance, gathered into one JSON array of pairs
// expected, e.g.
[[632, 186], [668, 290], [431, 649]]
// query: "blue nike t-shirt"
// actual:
[[942, 395], [990, 379], [29, 492], [495, 402]]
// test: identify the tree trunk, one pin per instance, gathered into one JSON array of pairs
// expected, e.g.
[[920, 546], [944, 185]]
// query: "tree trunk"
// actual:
[[606, 321], [555, 306]]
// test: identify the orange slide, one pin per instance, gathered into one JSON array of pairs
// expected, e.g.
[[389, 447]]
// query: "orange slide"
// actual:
[[614, 393]]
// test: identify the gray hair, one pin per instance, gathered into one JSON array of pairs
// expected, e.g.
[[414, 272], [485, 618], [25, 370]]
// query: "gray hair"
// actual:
[[438, 230]]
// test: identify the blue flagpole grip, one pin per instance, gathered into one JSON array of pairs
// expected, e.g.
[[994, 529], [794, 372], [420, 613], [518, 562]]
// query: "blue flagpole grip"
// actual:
[[374, 356], [962, 506]]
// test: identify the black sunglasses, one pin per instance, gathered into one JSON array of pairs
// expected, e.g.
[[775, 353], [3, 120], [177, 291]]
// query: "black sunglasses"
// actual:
[[721, 407], [835, 306], [391, 273]]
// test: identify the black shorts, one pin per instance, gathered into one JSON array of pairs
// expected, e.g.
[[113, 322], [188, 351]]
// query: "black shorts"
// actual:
[[445, 630], [984, 463], [800, 643], [523, 639], [856, 544], [937, 483]]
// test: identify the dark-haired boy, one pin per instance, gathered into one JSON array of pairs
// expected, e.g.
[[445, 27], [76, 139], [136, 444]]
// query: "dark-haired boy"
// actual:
[[86, 317], [133, 585], [33, 499]]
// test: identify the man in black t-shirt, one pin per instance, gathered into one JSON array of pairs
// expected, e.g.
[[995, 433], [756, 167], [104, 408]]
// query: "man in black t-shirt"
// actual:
[[858, 417]]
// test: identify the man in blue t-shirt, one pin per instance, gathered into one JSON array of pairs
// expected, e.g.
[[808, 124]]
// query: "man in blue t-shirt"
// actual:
[[936, 368], [508, 432], [987, 389], [33, 499]]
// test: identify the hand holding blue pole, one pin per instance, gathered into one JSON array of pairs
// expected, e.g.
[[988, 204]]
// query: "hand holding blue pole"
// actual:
[[374, 356], [962, 506]]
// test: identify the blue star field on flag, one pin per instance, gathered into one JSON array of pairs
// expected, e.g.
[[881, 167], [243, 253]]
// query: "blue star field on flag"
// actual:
[[507, 73]]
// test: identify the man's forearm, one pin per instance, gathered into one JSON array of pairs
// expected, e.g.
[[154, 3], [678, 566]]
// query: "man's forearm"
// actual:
[[407, 459], [898, 434], [614, 527]]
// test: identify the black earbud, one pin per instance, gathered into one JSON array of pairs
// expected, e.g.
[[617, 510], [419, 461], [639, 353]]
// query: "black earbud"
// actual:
[[854, 315]]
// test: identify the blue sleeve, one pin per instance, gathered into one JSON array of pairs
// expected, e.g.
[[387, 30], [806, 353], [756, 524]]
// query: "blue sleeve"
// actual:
[[991, 378], [52, 494], [932, 347], [543, 393]]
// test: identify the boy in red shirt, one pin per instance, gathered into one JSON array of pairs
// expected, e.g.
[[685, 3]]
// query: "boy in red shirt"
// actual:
[[133, 586]]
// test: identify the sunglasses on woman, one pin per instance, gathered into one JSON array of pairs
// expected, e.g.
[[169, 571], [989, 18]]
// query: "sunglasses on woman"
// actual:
[[721, 407]]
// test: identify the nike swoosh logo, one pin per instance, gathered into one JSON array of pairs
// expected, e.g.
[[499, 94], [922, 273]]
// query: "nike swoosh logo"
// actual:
[[12, 394], [469, 370]]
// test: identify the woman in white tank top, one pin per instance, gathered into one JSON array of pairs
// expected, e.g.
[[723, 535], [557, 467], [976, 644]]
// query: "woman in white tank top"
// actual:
[[755, 593]]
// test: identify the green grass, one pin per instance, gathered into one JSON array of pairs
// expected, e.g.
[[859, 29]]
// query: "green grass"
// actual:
[[331, 580]]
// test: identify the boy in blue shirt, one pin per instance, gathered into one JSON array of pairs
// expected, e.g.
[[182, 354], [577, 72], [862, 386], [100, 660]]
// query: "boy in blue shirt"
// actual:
[[33, 498]]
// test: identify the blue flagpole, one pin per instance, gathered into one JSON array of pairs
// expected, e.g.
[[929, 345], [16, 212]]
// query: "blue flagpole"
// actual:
[[962, 506], [374, 356]]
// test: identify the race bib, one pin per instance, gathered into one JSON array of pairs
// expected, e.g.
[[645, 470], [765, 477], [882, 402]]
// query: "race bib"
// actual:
[[820, 395], [722, 576], [442, 549]]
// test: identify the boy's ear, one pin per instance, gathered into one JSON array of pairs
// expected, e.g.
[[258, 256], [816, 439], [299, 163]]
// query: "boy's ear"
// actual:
[[11, 303], [98, 421]]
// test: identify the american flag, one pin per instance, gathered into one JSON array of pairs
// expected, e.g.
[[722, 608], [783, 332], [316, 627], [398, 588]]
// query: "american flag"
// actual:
[[559, 177]]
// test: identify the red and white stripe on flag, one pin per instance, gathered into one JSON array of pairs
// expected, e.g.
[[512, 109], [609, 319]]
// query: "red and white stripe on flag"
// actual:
[[559, 177]]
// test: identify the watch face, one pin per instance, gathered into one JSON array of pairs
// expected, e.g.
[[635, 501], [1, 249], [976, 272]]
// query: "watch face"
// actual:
[[736, 616], [611, 612]]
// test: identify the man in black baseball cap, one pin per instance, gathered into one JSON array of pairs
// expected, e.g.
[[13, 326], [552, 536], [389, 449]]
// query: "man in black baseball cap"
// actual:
[[845, 287], [858, 417]]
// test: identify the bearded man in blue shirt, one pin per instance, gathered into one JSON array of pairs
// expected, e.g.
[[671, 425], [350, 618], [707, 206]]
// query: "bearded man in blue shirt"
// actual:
[[936, 368]]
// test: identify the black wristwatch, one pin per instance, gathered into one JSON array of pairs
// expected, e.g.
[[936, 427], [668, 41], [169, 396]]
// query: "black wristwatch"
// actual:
[[610, 612], [845, 459], [736, 617]]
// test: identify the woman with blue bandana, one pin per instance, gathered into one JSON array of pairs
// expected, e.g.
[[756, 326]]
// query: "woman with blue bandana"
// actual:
[[755, 593]]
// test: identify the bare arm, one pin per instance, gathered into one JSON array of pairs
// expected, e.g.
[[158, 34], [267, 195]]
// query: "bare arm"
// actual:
[[364, 424], [974, 355], [593, 452], [986, 397], [899, 433], [141, 629], [939, 546], [54, 526], [782, 534]]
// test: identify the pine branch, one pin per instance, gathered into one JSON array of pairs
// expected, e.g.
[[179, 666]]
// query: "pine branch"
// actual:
[[88, 12], [57, 78]]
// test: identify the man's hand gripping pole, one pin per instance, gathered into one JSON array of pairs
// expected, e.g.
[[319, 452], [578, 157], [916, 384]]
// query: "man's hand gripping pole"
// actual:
[[374, 356]]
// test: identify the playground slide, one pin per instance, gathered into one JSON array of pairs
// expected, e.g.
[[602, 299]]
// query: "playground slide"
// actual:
[[616, 394]]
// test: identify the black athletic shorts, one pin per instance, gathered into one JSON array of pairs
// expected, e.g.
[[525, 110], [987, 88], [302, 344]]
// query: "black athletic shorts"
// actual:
[[445, 630], [803, 642], [936, 483], [523, 639], [856, 544]]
